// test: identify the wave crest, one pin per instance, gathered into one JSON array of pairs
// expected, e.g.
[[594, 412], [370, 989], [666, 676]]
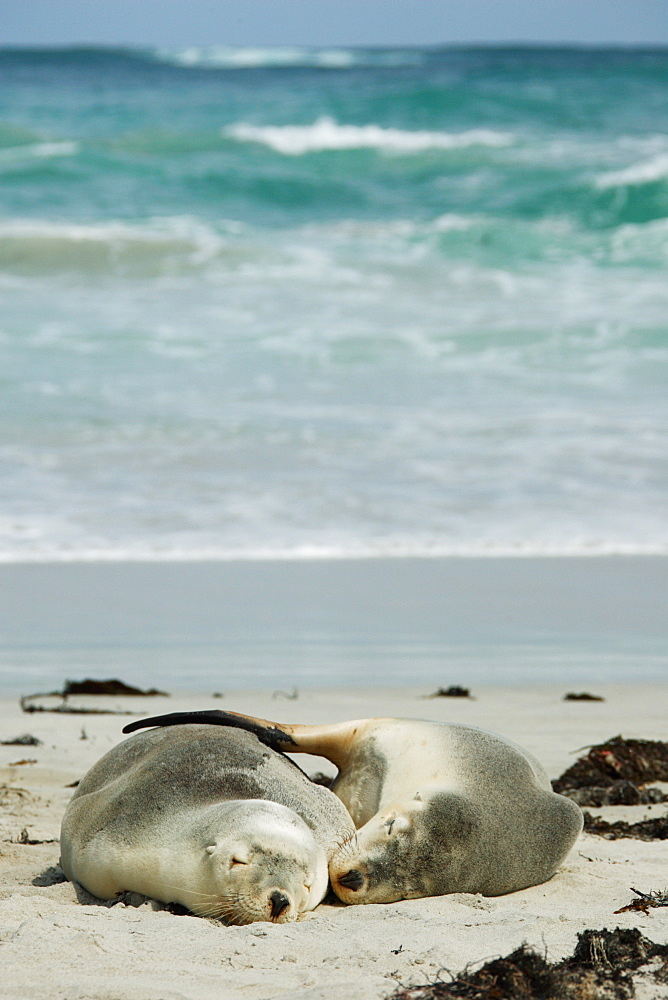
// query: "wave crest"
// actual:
[[646, 172], [326, 134], [140, 248], [276, 57]]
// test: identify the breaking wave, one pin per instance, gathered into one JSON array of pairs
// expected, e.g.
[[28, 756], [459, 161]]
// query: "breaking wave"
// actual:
[[276, 57], [327, 134]]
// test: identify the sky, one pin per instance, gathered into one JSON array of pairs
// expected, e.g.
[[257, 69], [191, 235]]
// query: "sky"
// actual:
[[175, 23]]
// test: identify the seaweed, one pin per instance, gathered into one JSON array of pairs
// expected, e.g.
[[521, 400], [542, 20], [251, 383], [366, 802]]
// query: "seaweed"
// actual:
[[111, 687], [26, 740], [645, 901], [618, 759], [646, 829], [619, 793], [454, 691], [600, 966]]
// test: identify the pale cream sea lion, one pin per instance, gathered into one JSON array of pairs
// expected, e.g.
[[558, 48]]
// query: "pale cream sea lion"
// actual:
[[207, 817], [439, 807]]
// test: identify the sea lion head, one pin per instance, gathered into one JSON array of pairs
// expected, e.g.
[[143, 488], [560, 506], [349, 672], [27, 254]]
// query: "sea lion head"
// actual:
[[406, 851], [265, 865]]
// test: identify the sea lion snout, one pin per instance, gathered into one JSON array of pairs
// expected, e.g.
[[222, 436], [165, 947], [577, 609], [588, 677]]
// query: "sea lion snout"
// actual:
[[352, 880], [279, 902]]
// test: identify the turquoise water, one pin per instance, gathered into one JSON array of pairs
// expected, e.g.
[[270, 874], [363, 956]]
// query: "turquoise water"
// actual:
[[332, 302]]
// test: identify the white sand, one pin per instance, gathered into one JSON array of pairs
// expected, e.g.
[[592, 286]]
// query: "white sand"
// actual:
[[57, 942]]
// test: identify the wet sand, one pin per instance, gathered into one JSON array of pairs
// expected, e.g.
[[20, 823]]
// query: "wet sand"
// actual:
[[232, 625]]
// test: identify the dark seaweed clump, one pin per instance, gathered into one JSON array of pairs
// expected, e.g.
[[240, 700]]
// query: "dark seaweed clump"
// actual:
[[454, 691], [616, 773], [600, 968], [637, 761], [110, 687], [646, 829]]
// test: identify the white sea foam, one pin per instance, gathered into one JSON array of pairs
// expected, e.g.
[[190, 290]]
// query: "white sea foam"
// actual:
[[326, 134], [638, 243], [11, 155], [408, 549], [645, 172], [261, 57]]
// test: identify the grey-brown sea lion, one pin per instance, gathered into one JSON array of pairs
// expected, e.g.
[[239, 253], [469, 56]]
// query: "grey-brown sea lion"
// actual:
[[207, 817], [439, 807]]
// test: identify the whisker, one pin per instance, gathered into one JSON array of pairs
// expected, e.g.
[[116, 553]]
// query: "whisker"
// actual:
[[232, 907], [185, 888]]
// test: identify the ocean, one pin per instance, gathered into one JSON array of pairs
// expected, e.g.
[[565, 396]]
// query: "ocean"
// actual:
[[297, 303]]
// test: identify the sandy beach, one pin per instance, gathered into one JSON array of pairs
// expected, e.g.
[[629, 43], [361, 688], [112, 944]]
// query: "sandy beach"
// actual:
[[59, 943]]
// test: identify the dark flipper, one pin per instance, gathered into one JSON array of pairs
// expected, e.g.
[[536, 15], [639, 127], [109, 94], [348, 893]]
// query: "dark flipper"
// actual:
[[267, 733]]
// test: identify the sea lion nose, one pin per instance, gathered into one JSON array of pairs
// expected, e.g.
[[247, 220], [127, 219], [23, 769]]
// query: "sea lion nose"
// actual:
[[353, 880], [278, 901]]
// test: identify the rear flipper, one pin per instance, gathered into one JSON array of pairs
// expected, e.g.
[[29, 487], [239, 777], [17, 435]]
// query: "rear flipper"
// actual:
[[267, 732], [333, 741]]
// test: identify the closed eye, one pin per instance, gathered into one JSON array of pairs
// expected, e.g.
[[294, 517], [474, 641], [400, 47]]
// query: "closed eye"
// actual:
[[389, 825], [236, 861]]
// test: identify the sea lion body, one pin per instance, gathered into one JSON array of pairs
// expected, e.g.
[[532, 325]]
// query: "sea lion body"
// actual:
[[444, 808], [439, 807], [206, 817]]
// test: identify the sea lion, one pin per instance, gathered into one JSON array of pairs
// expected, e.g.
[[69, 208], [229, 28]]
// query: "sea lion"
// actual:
[[207, 817], [439, 807]]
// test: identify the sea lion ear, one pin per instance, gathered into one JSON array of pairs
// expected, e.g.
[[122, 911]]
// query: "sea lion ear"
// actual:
[[418, 797], [211, 849]]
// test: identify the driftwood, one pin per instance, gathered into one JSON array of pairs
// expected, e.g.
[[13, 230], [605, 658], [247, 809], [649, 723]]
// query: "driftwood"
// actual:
[[65, 709]]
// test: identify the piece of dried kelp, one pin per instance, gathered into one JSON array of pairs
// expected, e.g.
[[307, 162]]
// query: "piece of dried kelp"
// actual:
[[644, 901]]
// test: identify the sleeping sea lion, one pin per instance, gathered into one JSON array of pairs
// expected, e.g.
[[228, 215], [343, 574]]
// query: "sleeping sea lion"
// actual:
[[208, 817]]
